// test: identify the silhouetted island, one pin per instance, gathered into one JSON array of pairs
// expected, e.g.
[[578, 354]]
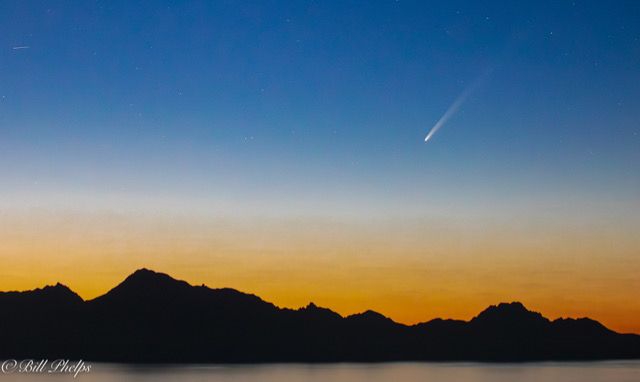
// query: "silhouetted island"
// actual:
[[151, 317]]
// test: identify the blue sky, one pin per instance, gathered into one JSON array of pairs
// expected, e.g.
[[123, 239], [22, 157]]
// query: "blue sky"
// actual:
[[307, 99]]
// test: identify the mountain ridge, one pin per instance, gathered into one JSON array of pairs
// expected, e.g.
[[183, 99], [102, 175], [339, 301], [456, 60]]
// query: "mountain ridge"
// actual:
[[152, 317]]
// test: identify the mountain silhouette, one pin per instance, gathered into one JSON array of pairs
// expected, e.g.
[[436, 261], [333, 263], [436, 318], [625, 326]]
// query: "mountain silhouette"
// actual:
[[152, 317]]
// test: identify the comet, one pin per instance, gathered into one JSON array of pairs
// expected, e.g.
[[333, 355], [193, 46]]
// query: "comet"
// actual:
[[455, 106]]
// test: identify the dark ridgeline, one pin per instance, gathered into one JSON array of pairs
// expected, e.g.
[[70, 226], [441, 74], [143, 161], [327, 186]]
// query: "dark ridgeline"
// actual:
[[151, 317]]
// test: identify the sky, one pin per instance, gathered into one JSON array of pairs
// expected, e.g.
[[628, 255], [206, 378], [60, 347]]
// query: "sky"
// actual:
[[279, 148]]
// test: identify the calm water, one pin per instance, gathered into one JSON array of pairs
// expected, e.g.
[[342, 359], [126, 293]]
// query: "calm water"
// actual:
[[622, 371]]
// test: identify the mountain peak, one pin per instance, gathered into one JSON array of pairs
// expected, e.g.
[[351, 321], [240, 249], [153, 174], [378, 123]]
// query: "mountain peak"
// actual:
[[370, 315], [515, 306], [145, 284], [146, 272], [372, 319], [147, 276], [57, 288], [583, 326], [49, 294], [60, 292], [314, 310], [509, 313]]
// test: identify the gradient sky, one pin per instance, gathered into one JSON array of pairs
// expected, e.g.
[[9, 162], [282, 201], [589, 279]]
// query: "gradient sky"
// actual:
[[278, 148]]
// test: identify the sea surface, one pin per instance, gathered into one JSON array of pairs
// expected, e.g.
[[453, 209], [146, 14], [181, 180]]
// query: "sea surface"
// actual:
[[618, 371]]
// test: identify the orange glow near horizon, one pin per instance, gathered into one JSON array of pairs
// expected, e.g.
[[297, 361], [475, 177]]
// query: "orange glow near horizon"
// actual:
[[410, 272]]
